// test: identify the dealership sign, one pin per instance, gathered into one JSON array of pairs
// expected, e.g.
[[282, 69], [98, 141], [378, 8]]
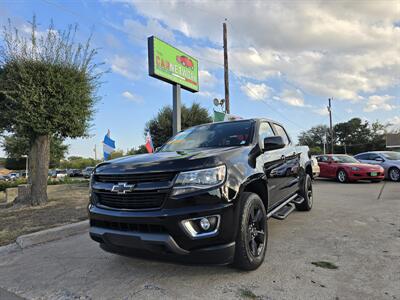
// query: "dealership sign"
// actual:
[[170, 64]]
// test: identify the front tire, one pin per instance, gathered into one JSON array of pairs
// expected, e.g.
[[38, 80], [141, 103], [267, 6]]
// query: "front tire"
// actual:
[[341, 176], [252, 237], [394, 174], [307, 193]]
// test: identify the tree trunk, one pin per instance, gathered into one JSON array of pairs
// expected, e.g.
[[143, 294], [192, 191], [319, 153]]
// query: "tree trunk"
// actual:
[[39, 168]]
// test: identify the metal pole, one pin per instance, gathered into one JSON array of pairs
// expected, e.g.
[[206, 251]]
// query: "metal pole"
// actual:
[[226, 72], [26, 166], [176, 112], [330, 122]]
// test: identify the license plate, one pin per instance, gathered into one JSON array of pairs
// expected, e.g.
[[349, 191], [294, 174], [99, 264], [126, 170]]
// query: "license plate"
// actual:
[[374, 174]]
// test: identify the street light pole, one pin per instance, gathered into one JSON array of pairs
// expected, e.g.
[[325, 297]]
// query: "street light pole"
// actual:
[[226, 69], [330, 123]]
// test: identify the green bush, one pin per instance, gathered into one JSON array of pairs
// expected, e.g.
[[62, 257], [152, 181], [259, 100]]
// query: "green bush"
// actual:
[[51, 181]]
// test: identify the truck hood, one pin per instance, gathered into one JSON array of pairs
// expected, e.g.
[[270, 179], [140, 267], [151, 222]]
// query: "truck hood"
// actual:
[[169, 161]]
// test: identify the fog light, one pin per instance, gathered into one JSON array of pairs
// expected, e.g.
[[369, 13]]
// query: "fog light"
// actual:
[[205, 224], [202, 227]]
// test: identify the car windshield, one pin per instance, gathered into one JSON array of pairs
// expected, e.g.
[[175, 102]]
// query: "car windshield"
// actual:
[[224, 134], [391, 155], [344, 159]]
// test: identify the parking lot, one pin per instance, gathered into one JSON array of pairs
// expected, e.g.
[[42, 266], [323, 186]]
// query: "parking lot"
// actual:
[[354, 227]]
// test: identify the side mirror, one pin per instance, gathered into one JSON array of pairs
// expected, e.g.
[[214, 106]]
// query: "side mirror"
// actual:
[[273, 143], [380, 159]]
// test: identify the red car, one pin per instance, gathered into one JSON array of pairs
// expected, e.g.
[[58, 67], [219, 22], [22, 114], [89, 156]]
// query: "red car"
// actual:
[[346, 168], [185, 61]]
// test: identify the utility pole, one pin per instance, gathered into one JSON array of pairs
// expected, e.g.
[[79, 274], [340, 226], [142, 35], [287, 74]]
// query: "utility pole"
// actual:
[[95, 152], [330, 123], [176, 105], [226, 70]]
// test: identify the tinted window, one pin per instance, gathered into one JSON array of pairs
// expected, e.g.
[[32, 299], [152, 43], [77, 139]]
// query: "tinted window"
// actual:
[[280, 131], [265, 131], [372, 156], [223, 134], [322, 159], [362, 156], [344, 159]]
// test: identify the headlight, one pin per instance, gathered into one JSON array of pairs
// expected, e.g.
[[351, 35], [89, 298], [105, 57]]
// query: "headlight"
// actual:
[[355, 168], [192, 181]]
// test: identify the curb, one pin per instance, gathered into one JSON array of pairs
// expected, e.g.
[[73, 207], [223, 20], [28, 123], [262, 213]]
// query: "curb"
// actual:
[[44, 236], [51, 234]]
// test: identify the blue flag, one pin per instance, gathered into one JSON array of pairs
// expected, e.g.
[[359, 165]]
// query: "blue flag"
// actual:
[[108, 146]]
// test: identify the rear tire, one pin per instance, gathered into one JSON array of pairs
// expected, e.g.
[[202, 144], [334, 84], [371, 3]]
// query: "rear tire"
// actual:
[[307, 193], [394, 174], [341, 176], [252, 237]]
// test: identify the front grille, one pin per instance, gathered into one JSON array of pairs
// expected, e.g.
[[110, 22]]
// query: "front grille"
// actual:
[[145, 228], [133, 200], [135, 178]]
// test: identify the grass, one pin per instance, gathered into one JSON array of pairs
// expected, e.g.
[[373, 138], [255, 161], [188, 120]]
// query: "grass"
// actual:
[[325, 265], [248, 294], [66, 205]]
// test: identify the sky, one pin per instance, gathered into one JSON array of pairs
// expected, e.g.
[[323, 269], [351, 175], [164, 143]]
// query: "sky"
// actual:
[[286, 58]]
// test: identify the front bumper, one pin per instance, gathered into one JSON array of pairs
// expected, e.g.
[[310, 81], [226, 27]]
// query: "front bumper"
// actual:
[[160, 232], [361, 175]]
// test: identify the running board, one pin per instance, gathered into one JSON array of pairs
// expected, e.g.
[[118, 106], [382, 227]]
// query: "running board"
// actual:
[[284, 212], [278, 208], [298, 200]]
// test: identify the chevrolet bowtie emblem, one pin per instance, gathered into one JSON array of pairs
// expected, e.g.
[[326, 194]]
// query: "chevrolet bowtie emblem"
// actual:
[[122, 188]]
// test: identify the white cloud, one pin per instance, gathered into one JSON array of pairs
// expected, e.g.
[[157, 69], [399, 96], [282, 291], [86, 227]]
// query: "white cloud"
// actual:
[[379, 102], [125, 66], [323, 111], [139, 32], [132, 97], [395, 123], [292, 97], [256, 91], [207, 80], [340, 49]]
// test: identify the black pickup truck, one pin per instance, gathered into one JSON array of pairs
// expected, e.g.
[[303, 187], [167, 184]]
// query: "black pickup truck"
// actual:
[[205, 196]]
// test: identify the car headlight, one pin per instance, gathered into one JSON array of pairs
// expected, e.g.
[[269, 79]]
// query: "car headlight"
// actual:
[[192, 181], [355, 168]]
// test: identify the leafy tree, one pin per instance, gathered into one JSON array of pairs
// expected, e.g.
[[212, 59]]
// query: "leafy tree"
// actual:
[[117, 154], [47, 89], [16, 147], [353, 136], [140, 150], [77, 162], [161, 126], [315, 137]]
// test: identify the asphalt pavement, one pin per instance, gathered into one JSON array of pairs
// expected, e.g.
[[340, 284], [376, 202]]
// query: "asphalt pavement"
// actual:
[[354, 227]]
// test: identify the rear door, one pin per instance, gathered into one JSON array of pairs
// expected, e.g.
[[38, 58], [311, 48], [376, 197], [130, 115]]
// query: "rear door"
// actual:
[[290, 166]]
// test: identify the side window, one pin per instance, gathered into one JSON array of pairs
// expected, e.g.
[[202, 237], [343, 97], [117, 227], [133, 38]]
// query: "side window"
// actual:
[[265, 131], [363, 156], [323, 159], [372, 156], [280, 131]]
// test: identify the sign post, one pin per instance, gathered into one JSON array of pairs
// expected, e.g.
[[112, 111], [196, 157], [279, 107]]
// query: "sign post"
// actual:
[[174, 66], [176, 117]]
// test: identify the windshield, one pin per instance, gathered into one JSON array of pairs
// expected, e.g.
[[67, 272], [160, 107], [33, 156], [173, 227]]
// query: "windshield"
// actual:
[[224, 134], [344, 159], [391, 155]]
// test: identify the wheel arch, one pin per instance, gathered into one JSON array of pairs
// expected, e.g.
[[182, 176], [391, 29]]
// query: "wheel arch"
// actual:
[[257, 184]]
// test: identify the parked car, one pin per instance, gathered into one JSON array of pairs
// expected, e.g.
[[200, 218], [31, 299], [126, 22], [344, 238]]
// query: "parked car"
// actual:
[[346, 168], [389, 160], [58, 173], [87, 172], [4, 178], [74, 173], [205, 195], [315, 167], [13, 176]]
